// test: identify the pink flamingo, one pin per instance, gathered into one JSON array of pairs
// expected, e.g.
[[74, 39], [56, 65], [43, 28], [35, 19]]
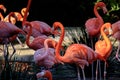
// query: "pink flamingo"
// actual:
[[45, 56], [38, 42], [116, 33], [93, 25], [45, 73], [104, 47], [11, 21], [8, 30], [79, 54], [39, 27]]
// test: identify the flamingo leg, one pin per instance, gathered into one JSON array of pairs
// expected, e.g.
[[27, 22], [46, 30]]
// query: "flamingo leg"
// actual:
[[92, 65], [117, 53], [19, 42], [83, 74], [14, 50], [98, 66], [78, 73], [105, 72], [99, 69]]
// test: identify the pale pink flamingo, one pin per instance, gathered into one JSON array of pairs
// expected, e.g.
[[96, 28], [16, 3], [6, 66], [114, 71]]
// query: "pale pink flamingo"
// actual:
[[104, 47], [45, 74], [45, 56], [93, 25], [79, 54]]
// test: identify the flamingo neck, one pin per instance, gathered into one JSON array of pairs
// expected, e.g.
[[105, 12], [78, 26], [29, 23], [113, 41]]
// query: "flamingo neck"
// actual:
[[46, 43], [59, 44], [97, 14], [29, 34], [25, 15], [1, 17], [9, 17], [106, 39]]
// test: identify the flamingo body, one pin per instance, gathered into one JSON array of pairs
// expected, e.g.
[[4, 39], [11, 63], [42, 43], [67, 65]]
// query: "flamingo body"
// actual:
[[7, 29], [48, 61], [45, 56]]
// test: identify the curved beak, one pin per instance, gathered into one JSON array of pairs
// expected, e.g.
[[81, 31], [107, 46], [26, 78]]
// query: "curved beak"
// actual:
[[105, 11]]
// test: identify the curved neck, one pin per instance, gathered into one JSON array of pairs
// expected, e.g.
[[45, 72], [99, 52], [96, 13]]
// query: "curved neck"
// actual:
[[106, 39], [97, 14], [29, 33], [49, 42], [1, 17], [9, 16], [46, 43], [25, 16], [60, 42]]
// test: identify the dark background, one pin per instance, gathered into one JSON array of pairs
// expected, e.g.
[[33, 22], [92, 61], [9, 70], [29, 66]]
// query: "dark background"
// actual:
[[69, 12]]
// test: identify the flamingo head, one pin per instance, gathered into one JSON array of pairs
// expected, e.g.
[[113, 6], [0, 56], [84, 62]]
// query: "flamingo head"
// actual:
[[3, 7], [54, 30], [103, 6], [23, 11], [19, 16], [108, 29]]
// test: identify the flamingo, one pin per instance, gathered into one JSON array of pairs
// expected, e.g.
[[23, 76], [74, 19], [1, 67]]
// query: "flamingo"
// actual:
[[38, 42], [15, 36], [93, 25], [40, 27], [8, 30], [116, 33], [79, 54], [45, 73], [2, 7], [45, 56], [104, 47]]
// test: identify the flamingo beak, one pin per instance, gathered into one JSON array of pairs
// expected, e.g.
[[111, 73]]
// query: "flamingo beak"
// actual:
[[4, 9], [110, 31], [105, 11]]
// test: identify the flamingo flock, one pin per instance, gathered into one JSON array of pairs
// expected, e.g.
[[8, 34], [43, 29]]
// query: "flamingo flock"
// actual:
[[47, 50]]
